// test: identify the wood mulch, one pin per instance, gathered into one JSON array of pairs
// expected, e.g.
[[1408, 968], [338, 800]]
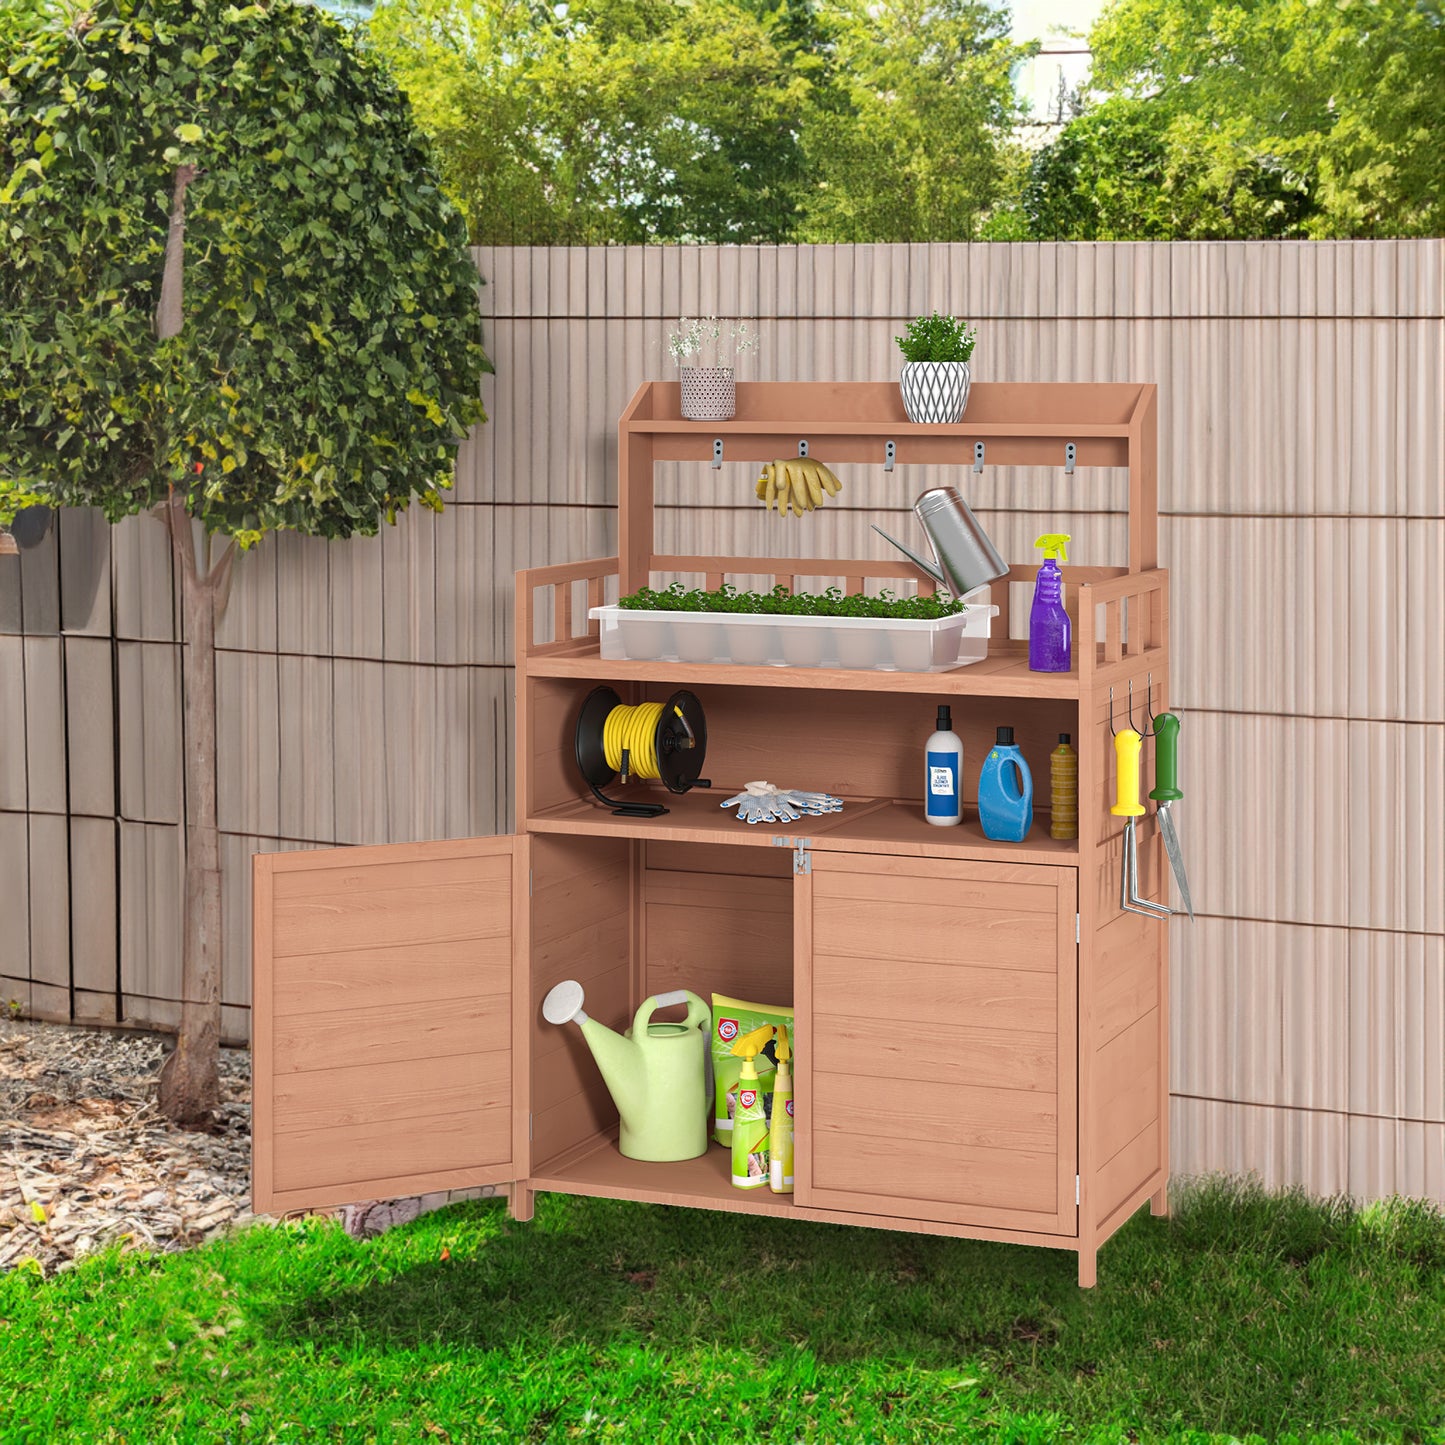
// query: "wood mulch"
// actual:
[[86, 1159]]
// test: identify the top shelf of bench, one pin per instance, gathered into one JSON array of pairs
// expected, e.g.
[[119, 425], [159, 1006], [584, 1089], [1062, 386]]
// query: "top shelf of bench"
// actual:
[[875, 408]]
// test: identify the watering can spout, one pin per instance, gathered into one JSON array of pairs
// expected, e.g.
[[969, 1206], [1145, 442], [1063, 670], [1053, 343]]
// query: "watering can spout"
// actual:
[[913, 557]]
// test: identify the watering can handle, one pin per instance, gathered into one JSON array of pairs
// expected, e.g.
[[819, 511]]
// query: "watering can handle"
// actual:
[[698, 1013]]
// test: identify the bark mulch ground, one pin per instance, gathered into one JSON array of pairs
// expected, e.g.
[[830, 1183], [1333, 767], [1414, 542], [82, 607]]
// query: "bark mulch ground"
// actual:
[[86, 1159]]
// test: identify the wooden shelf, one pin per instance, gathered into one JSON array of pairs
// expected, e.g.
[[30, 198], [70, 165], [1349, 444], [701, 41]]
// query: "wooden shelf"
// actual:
[[866, 825], [701, 1183], [1003, 673]]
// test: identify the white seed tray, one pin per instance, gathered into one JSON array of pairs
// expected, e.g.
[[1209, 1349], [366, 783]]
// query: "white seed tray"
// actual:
[[875, 644]]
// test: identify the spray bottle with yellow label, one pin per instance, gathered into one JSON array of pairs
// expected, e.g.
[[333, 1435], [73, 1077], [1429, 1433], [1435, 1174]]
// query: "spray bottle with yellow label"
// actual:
[[750, 1120], [780, 1160]]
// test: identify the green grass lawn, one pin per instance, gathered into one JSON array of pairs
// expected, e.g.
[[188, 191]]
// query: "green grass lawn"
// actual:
[[1244, 1314]]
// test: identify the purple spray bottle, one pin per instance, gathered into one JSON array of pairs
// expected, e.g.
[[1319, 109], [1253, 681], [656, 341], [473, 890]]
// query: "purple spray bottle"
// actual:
[[1050, 637]]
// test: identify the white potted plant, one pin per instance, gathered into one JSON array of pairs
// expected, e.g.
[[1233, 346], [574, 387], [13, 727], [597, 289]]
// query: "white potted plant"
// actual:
[[709, 391], [935, 377]]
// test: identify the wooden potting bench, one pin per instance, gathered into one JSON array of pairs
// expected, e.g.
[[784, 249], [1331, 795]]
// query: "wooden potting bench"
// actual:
[[981, 1029]]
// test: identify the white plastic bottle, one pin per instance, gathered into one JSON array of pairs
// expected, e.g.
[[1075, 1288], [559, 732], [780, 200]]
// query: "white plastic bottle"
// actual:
[[942, 771]]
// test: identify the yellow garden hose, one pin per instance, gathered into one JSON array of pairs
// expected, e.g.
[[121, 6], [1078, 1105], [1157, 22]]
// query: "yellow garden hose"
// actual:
[[635, 729]]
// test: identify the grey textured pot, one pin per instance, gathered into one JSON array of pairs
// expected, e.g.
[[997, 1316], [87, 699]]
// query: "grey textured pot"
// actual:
[[934, 392], [708, 393]]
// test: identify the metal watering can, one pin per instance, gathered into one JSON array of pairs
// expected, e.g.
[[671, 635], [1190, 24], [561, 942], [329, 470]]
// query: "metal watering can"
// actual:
[[963, 556], [655, 1072]]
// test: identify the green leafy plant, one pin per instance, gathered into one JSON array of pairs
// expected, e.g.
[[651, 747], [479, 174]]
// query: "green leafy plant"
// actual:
[[937, 338], [234, 295], [782, 602]]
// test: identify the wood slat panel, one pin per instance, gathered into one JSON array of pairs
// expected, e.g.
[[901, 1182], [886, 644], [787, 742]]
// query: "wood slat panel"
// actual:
[[341, 909], [1124, 1086], [942, 1181], [996, 937], [930, 988], [331, 1159], [367, 1093], [332, 1038], [925, 1050], [924, 1111]]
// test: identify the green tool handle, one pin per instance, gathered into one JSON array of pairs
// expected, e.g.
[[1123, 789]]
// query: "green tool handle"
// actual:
[[1166, 759]]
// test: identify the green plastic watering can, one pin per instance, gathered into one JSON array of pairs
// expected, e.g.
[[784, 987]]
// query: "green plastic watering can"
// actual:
[[656, 1072]]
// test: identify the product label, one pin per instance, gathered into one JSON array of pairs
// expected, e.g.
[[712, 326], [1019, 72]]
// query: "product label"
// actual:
[[790, 1108], [747, 1098], [727, 1030], [942, 800]]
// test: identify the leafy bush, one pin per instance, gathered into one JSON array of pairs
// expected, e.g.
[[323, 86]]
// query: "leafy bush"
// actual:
[[782, 602], [937, 338]]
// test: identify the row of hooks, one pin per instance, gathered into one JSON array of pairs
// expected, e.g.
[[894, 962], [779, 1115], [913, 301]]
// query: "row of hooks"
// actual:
[[890, 455]]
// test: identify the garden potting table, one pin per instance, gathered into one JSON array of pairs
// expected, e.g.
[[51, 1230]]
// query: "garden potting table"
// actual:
[[981, 1029]]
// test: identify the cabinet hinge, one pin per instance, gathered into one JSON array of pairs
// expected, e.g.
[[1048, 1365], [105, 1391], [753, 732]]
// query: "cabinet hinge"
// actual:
[[1076, 929], [802, 858], [1076, 1188]]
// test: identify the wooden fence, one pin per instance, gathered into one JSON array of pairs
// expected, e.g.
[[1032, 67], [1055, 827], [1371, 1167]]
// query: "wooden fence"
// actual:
[[366, 687]]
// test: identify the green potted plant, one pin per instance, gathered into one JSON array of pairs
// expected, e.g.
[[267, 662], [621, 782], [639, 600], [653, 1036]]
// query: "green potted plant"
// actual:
[[935, 376], [709, 391]]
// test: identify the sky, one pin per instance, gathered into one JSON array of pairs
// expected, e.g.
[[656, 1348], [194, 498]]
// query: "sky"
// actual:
[[1038, 80]]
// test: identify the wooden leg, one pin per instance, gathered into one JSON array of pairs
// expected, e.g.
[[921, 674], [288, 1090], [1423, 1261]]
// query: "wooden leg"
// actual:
[[1088, 1268], [519, 1202], [1159, 1202]]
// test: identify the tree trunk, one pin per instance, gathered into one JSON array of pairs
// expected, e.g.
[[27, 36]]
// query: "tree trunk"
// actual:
[[190, 1087]]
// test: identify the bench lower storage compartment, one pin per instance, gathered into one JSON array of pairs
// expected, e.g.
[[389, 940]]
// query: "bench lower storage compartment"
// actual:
[[400, 1046]]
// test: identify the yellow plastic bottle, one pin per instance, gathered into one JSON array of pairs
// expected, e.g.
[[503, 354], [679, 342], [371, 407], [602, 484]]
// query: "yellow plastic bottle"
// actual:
[[750, 1120], [1063, 790], [780, 1158]]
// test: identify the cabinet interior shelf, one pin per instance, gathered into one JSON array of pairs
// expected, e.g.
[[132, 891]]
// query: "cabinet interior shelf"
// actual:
[[883, 825], [701, 1183]]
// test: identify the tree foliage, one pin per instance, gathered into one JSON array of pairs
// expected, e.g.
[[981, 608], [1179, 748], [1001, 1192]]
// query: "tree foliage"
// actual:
[[234, 295], [330, 356], [902, 136], [709, 120], [1273, 118]]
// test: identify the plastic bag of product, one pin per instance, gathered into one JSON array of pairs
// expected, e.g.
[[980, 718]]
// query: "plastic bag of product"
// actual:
[[732, 1019]]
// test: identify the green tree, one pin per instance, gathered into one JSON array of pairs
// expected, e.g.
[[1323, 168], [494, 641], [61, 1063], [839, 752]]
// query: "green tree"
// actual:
[[1260, 102], [233, 297], [903, 143], [617, 120], [1123, 171]]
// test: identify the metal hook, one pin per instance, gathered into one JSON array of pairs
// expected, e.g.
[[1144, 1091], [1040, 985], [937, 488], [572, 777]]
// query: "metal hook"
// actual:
[[1113, 731], [803, 448], [890, 453], [1070, 453], [978, 456], [717, 449]]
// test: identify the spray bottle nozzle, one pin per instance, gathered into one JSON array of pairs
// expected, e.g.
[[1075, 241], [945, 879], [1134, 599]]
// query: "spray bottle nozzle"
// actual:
[[1053, 544]]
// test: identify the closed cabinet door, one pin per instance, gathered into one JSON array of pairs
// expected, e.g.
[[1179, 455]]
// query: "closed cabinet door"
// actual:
[[383, 1021], [937, 1074]]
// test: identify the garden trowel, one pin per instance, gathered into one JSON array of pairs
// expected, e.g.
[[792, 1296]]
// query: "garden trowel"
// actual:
[[1166, 793]]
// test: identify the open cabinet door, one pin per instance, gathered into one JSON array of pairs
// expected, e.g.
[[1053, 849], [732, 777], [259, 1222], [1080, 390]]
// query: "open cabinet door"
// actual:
[[382, 1021]]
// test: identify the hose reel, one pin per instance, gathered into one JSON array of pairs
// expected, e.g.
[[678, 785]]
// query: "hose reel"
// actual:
[[662, 742]]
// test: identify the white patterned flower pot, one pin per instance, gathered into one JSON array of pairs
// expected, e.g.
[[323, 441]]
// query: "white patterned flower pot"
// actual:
[[935, 392], [708, 393]]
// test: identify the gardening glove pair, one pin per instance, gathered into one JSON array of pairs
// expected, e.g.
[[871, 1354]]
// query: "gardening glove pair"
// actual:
[[763, 803]]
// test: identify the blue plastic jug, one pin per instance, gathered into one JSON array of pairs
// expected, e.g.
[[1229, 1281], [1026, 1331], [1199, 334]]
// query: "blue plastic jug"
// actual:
[[1005, 792]]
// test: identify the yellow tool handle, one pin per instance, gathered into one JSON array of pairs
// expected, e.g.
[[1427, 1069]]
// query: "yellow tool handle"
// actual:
[[1127, 747]]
